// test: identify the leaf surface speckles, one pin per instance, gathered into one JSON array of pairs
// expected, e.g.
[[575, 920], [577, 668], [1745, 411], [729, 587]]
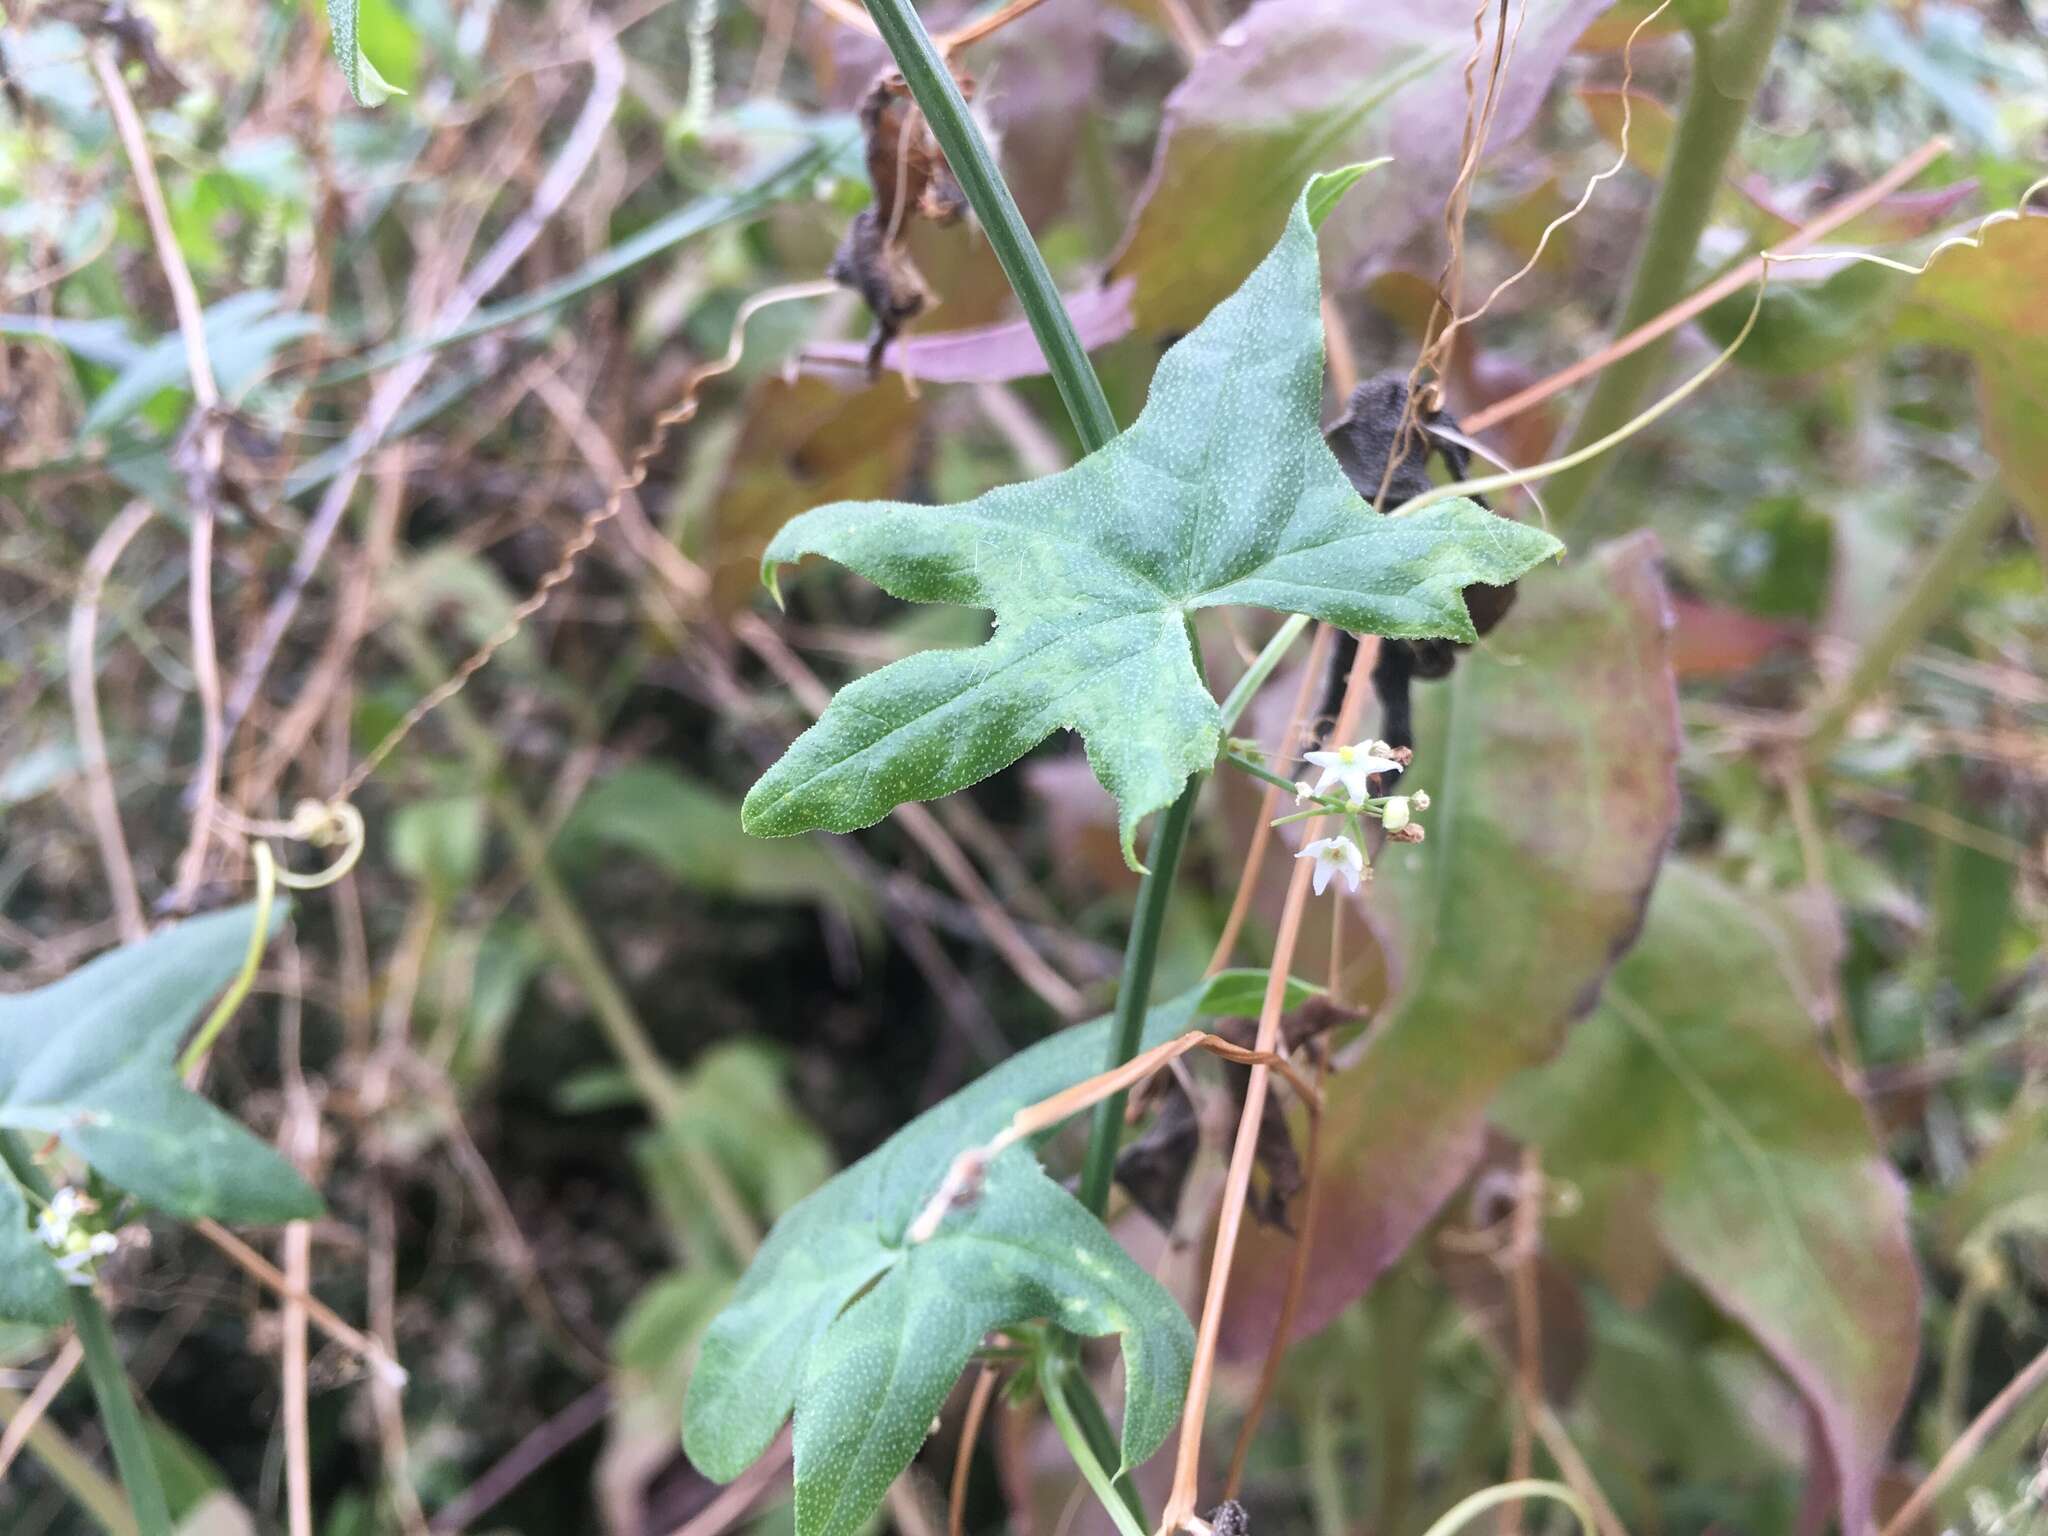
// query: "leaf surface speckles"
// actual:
[[1221, 493], [865, 1333]]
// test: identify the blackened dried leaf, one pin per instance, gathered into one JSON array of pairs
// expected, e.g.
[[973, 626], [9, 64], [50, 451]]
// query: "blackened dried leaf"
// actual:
[[1154, 1168], [1379, 423], [1362, 440], [881, 272], [911, 179]]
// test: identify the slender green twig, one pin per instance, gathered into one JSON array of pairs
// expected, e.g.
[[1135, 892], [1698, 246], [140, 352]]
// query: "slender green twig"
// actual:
[[238, 989], [1134, 993], [974, 166], [1262, 667], [1052, 1384], [1262, 773], [1728, 65], [118, 1413], [1462, 1513]]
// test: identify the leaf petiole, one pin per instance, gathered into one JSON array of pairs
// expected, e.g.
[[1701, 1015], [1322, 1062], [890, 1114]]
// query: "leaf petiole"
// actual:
[[1262, 667], [238, 989], [1052, 1372], [1259, 770]]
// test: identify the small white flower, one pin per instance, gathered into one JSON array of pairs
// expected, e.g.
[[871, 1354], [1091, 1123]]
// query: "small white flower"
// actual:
[[1333, 856], [75, 1250], [1420, 800], [55, 1222], [1395, 812], [1351, 766], [1301, 790], [77, 1265]]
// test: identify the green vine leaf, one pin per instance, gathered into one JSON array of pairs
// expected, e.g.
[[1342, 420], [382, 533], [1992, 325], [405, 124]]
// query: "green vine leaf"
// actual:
[[89, 1060], [864, 1333], [369, 88], [1222, 492]]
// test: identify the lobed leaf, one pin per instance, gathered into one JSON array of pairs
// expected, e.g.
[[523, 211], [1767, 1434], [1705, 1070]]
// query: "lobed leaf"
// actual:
[[866, 1375], [1222, 492], [1552, 756]]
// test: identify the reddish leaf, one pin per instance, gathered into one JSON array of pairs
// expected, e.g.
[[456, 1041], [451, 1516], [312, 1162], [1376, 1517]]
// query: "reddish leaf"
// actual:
[[1296, 86], [1715, 640], [1552, 757], [1702, 1067]]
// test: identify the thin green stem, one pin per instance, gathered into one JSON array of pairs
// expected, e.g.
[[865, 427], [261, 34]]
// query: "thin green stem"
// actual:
[[1052, 1383], [119, 1416], [1094, 1421], [1728, 65], [1321, 1447], [1134, 994], [1981, 1281], [252, 957], [1463, 1512], [1947, 565], [118, 1413], [1261, 772], [1263, 667], [974, 166]]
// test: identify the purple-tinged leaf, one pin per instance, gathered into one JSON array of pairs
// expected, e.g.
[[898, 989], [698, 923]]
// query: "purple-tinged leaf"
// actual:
[[1551, 755], [1294, 85], [982, 354]]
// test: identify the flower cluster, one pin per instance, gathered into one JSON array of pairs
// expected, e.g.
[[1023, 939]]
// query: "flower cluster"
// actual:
[[76, 1244], [1346, 789]]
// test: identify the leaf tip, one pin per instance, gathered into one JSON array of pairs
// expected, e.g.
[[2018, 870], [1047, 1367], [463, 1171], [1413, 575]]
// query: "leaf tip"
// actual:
[[1327, 188]]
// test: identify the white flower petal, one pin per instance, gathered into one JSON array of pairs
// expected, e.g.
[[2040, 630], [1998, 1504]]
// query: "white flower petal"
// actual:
[[1333, 856]]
